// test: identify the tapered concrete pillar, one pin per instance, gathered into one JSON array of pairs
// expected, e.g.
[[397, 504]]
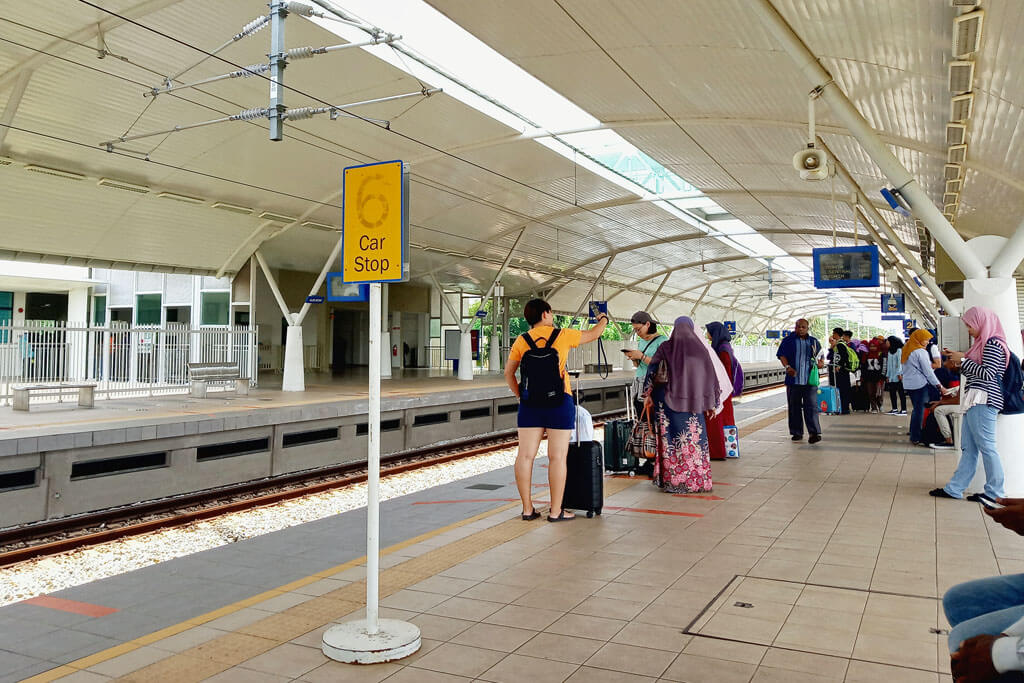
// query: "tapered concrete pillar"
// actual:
[[495, 364], [465, 356], [294, 371]]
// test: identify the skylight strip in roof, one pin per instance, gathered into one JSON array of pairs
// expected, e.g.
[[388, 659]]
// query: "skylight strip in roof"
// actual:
[[453, 50]]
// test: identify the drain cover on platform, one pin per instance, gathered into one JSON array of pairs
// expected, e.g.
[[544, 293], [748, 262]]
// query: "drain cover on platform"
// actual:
[[485, 487]]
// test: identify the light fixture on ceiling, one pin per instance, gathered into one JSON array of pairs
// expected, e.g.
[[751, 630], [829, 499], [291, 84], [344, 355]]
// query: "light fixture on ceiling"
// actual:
[[950, 208], [962, 106], [967, 33], [964, 3], [4, 161], [953, 171], [961, 77], [277, 217], [949, 216], [957, 154], [954, 185], [180, 198], [56, 172], [951, 198], [233, 208], [956, 133], [123, 185], [319, 226]]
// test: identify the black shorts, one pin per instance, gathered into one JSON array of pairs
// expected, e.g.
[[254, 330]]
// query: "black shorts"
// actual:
[[559, 416]]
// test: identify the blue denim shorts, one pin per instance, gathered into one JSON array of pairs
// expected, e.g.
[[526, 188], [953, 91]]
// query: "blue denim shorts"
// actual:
[[559, 416]]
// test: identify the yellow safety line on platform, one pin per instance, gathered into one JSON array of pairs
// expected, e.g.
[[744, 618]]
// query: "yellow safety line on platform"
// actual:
[[156, 636]]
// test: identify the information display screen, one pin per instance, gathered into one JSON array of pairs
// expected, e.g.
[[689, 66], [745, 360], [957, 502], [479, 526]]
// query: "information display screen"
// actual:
[[339, 290], [839, 267], [773, 334]]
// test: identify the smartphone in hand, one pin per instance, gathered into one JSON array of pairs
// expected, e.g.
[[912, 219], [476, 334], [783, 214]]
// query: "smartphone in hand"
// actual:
[[988, 502]]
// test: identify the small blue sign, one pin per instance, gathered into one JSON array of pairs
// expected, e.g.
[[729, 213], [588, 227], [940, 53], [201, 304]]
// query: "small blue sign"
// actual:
[[838, 267], [908, 325], [730, 326], [314, 299], [481, 313], [893, 303], [773, 334], [893, 318], [597, 308]]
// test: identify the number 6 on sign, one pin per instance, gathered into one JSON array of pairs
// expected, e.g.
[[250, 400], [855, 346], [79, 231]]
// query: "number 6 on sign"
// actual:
[[375, 220]]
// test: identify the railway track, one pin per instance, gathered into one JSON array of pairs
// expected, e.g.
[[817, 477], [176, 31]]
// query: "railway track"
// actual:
[[51, 537]]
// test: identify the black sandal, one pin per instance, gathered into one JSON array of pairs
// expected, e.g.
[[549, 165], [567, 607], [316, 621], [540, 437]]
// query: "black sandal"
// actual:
[[532, 516], [561, 517]]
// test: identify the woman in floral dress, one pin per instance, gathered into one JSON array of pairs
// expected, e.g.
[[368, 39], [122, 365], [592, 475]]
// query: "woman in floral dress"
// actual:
[[692, 395]]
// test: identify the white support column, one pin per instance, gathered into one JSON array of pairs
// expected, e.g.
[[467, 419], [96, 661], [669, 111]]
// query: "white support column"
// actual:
[[699, 299], [294, 377], [1010, 257], [847, 114]]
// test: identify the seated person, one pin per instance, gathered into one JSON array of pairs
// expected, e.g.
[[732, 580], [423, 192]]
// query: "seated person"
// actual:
[[943, 408], [987, 616]]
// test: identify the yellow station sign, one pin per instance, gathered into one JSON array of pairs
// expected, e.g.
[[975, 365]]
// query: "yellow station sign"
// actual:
[[372, 223]]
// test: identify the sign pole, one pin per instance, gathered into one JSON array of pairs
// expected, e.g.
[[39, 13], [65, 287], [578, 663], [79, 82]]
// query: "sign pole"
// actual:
[[373, 464], [375, 232]]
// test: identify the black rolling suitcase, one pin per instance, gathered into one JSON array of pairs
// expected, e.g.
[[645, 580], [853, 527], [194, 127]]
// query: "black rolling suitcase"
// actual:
[[859, 398], [616, 435], [584, 479]]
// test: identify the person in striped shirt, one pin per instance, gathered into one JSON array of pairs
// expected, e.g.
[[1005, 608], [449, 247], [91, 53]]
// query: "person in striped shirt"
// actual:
[[981, 371]]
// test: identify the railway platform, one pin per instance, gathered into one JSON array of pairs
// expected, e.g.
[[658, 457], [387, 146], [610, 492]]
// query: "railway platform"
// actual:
[[806, 563]]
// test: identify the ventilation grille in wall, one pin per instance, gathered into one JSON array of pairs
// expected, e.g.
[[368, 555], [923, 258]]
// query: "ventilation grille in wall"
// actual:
[[105, 467]]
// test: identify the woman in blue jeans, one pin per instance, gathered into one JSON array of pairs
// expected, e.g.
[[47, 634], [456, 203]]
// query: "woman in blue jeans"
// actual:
[[981, 370], [917, 375]]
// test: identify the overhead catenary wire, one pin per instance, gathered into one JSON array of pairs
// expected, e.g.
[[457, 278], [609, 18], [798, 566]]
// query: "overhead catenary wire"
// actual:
[[427, 145]]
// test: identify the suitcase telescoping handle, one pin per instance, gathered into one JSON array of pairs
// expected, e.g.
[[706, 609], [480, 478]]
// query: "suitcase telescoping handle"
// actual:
[[576, 408]]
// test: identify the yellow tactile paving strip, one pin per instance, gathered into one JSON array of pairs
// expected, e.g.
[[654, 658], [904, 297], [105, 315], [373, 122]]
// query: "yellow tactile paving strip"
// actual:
[[222, 653]]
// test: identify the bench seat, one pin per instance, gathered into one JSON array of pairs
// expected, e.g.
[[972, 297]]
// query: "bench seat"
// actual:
[[86, 392]]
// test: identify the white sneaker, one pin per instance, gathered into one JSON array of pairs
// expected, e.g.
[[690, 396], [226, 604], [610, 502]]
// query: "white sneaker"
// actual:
[[942, 446], [902, 412]]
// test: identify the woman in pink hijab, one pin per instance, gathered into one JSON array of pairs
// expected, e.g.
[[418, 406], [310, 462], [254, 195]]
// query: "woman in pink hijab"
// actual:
[[981, 371]]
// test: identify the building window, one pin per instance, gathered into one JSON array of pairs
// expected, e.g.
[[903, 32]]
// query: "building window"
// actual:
[[6, 313], [99, 310], [216, 307], [147, 309]]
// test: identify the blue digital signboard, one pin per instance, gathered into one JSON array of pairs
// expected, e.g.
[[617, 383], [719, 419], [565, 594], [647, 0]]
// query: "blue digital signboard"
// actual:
[[338, 290], [838, 267], [773, 334]]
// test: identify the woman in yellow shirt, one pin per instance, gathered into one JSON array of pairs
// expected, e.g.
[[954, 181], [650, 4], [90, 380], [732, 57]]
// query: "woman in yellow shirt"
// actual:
[[557, 419]]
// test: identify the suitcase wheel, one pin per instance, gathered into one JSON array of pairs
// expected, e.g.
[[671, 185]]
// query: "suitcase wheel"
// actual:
[[598, 512], [590, 513], [632, 473]]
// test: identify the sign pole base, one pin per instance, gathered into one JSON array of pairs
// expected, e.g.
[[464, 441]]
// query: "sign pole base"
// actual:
[[351, 642]]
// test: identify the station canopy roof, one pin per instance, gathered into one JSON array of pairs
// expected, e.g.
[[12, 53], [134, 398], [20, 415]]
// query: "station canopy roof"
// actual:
[[657, 133]]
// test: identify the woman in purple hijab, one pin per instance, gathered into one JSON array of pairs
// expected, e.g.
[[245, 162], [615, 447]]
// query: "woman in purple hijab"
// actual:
[[681, 408]]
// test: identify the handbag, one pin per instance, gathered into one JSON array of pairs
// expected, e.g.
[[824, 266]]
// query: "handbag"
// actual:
[[643, 443], [813, 379], [661, 374]]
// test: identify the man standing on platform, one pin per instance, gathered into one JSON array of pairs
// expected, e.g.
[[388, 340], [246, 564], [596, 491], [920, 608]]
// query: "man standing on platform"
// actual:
[[798, 353], [840, 360]]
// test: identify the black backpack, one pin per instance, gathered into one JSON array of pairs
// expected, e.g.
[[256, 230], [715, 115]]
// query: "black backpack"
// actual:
[[1013, 382], [542, 383]]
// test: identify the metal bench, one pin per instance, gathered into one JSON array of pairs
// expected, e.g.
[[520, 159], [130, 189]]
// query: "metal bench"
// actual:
[[201, 374], [86, 393]]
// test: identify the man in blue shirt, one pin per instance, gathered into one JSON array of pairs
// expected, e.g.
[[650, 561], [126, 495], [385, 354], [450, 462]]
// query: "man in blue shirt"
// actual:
[[798, 353]]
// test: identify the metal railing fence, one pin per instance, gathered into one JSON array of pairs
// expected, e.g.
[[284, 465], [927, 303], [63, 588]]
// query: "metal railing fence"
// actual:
[[122, 360]]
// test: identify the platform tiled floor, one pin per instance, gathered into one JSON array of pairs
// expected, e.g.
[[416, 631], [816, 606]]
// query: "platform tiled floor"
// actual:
[[836, 548]]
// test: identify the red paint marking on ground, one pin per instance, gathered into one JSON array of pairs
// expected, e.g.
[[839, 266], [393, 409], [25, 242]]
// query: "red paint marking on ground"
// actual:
[[725, 483], [467, 500], [83, 608], [655, 512], [694, 495]]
